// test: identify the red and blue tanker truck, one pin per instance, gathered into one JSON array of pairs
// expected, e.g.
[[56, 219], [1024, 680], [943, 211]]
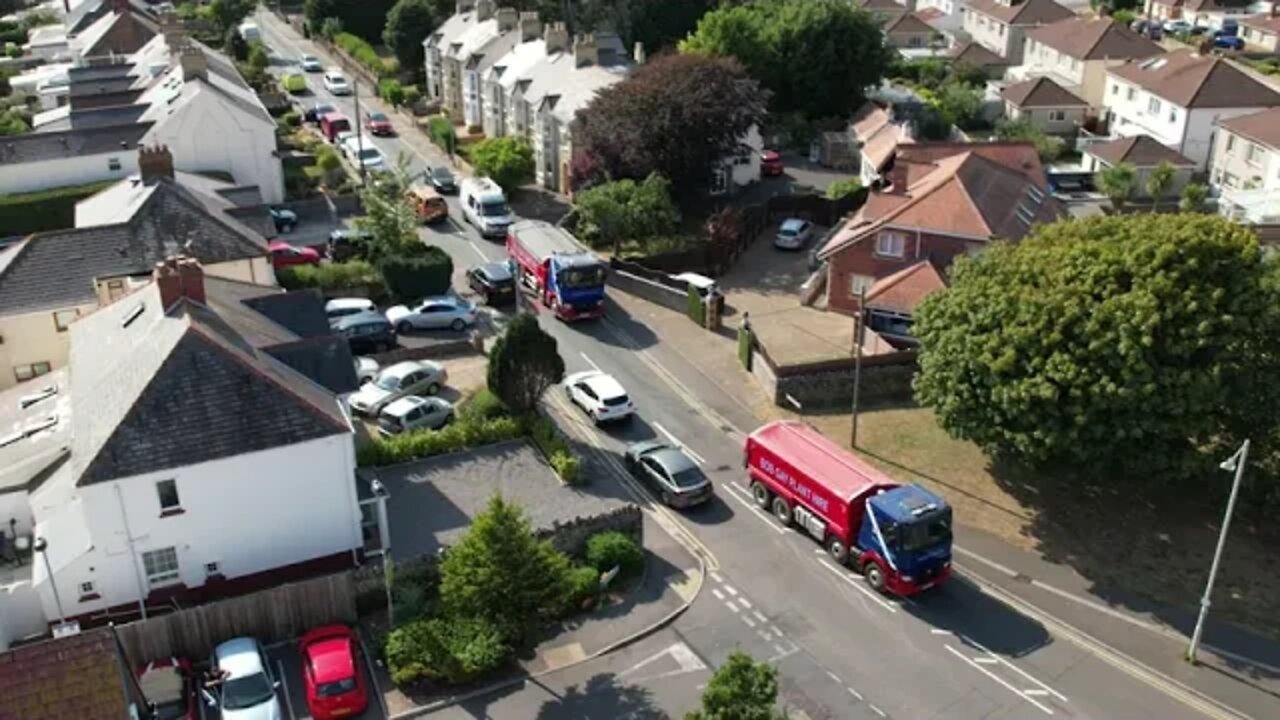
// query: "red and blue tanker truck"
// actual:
[[567, 278], [898, 536]]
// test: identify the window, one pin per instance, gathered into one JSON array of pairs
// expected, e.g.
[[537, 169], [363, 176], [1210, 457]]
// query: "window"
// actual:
[[115, 290], [167, 490], [1115, 89], [62, 319], [1131, 94], [1253, 155], [1153, 106], [1057, 115], [892, 244], [1173, 116], [161, 566], [1075, 65], [212, 568], [26, 372], [1231, 142], [1002, 31], [113, 164], [86, 588], [1229, 180], [861, 284]]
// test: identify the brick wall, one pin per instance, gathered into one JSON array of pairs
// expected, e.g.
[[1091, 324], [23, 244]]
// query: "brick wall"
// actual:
[[825, 386], [648, 289], [861, 259]]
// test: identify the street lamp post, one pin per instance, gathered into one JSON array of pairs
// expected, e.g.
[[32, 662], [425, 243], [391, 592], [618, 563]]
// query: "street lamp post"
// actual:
[[1236, 464], [355, 93], [41, 546], [859, 336]]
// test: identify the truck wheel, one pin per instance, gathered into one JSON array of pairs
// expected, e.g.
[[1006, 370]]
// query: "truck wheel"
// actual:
[[837, 550], [874, 574], [761, 494], [782, 511]]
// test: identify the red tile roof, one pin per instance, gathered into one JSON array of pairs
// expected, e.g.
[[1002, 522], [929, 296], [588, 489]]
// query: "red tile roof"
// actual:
[[1093, 38], [972, 53], [1267, 23], [907, 23], [904, 290], [1041, 92], [75, 677], [1263, 127]]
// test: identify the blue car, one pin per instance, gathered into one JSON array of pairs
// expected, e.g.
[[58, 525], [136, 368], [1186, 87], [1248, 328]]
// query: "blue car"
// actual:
[[1228, 42]]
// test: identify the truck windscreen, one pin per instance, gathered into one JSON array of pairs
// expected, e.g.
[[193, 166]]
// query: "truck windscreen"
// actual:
[[582, 277], [929, 530], [494, 208]]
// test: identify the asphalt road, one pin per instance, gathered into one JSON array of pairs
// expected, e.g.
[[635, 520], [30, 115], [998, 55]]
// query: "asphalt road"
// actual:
[[843, 651]]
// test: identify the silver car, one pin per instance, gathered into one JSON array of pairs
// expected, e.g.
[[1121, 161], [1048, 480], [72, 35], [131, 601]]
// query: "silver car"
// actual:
[[434, 313], [414, 413], [794, 234], [411, 377]]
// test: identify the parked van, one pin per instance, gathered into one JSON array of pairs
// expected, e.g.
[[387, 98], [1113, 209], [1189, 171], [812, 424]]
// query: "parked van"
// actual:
[[250, 32], [485, 206], [427, 203], [332, 124]]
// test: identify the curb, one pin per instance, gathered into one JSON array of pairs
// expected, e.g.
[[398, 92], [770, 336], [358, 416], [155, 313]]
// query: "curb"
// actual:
[[521, 679]]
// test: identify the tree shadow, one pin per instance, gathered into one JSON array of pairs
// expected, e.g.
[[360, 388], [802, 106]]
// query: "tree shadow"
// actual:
[[602, 696]]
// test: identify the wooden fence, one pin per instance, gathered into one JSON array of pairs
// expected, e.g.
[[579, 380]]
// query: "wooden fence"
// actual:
[[271, 615]]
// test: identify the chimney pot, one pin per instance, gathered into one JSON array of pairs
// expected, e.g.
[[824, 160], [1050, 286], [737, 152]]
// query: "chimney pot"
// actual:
[[465, 6], [638, 54], [179, 277], [556, 37], [485, 9], [530, 26], [155, 163], [508, 19], [193, 62]]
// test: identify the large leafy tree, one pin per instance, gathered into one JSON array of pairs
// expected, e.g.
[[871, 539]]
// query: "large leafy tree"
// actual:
[[626, 210], [741, 689], [1114, 343], [817, 57], [507, 160], [523, 363], [408, 23], [673, 116]]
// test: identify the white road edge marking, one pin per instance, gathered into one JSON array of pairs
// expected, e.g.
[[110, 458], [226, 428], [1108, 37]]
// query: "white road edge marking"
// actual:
[[719, 595], [676, 441], [750, 623], [284, 685], [730, 604], [733, 592], [999, 680], [834, 677], [856, 585], [877, 711], [473, 245], [776, 631], [590, 362], [759, 616], [717, 578], [854, 693]]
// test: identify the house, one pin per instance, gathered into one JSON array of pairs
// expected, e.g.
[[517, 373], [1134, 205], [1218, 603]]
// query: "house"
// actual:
[[1261, 32], [893, 300], [1245, 167], [247, 482], [1001, 25], [911, 31], [44, 160], [81, 676], [975, 55], [480, 41], [876, 133], [1203, 13], [1144, 154], [884, 10], [1077, 52], [944, 200], [119, 31], [739, 169], [1178, 97], [1045, 104], [444, 37], [503, 75], [50, 279]]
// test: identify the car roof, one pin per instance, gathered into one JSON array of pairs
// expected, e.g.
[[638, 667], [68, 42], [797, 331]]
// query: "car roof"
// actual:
[[603, 385], [279, 245], [702, 282], [377, 114], [794, 224], [239, 658], [339, 303], [332, 659], [673, 460], [496, 270], [402, 406], [405, 367], [446, 299], [364, 317]]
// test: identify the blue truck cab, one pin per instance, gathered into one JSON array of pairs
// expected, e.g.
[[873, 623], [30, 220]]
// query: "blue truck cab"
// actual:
[[909, 528]]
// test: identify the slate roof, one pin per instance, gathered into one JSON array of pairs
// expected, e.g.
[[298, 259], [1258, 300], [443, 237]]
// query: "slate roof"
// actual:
[[1263, 127], [973, 53], [1140, 151], [42, 146], [1095, 38], [1027, 12], [57, 269], [114, 32], [74, 677], [903, 291], [157, 389], [1265, 23], [1041, 92], [907, 23], [1207, 5], [1190, 80], [325, 360]]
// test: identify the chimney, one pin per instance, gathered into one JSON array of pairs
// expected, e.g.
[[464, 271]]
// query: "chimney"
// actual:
[[194, 63], [155, 163], [897, 177], [557, 38], [172, 30], [465, 6], [120, 6], [179, 277], [530, 26], [585, 51], [485, 9], [638, 54], [507, 19]]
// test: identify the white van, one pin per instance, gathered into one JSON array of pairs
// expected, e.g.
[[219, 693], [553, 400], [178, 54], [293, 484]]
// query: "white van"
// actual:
[[249, 31], [485, 207]]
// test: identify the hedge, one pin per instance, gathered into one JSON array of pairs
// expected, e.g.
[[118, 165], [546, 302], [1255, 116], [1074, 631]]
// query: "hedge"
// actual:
[[26, 213], [422, 274], [453, 650], [419, 444], [611, 549], [353, 274], [563, 461], [363, 53], [482, 405], [440, 130]]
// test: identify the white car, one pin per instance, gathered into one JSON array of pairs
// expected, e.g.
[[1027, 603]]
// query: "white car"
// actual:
[[414, 413], [310, 63], [445, 311], [411, 377], [245, 689], [363, 153], [794, 234], [336, 83], [340, 307], [366, 369], [601, 396]]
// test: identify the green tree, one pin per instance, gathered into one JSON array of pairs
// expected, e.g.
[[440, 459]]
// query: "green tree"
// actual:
[[842, 188], [234, 44], [1118, 183], [626, 210], [12, 123], [330, 28], [1119, 343], [507, 160], [390, 221], [502, 575], [258, 58], [227, 14], [1193, 197], [417, 271], [330, 164], [315, 12], [1159, 182], [523, 363], [814, 56], [960, 104], [741, 689], [1048, 147], [407, 24]]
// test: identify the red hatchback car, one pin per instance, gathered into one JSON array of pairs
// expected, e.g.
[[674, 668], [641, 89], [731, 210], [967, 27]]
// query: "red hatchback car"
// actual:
[[378, 124], [284, 255], [169, 685], [335, 684], [771, 163]]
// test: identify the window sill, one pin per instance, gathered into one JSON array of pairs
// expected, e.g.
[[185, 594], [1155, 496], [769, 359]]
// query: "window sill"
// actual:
[[886, 256], [171, 512], [90, 596]]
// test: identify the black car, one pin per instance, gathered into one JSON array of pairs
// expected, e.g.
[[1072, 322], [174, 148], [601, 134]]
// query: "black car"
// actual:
[[441, 178], [317, 111], [493, 282], [284, 219], [348, 243], [669, 472], [366, 332]]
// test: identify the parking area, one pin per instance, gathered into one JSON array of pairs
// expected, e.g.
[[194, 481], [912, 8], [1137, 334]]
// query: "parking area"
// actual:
[[287, 662]]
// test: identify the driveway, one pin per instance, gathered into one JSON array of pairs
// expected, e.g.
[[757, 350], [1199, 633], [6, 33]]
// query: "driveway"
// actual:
[[287, 665]]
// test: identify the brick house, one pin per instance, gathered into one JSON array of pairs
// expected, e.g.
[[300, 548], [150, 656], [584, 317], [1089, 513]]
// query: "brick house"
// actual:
[[944, 200]]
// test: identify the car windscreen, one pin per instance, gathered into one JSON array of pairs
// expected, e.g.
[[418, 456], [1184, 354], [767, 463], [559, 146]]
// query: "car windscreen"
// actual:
[[789, 232], [370, 154], [582, 277], [246, 692], [389, 383], [615, 401], [442, 174], [930, 530], [336, 688], [494, 208], [688, 478], [377, 117]]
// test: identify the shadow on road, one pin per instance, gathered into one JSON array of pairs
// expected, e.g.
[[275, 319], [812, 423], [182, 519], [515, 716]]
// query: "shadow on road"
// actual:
[[974, 616], [602, 696]]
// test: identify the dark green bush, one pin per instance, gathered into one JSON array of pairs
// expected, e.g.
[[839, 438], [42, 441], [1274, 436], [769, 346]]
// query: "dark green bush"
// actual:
[[362, 52], [426, 272], [556, 450], [26, 213], [426, 443], [389, 89], [584, 587], [291, 119], [453, 651], [608, 550], [482, 405], [328, 277]]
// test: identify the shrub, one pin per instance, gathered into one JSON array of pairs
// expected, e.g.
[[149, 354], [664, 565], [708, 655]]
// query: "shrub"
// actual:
[[331, 28], [693, 305], [13, 50], [843, 188], [556, 450], [390, 90], [453, 650], [411, 95], [351, 275], [14, 35], [608, 550], [291, 119], [440, 130], [567, 467], [584, 587], [362, 52], [26, 213], [507, 160], [421, 274], [415, 590], [482, 405], [426, 443]]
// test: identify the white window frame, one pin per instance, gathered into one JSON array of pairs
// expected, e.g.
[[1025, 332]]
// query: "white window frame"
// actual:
[[1057, 115], [87, 588], [1253, 155], [113, 164], [891, 236], [1131, 94], [32, 370], [161, 567], [62, 319], [858, 282], [1153, 105], [1231, 142], [213, 568]]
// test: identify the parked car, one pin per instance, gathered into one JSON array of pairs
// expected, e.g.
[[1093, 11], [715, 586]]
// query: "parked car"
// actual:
[[333, 123], [1229, 42], [310, 63], [411, 377], [484, 205], [284, 219], [332, 678], [363, 153], [378, 124], [599, 395], [348, 243], [245, 688], [493, 282], [285, 255], [671, 474], [794, 234], [414, 413], [1174, 27], [336, 83], [341, 307], [366, 332], [366, 369], [434, 313], [428, 205], [170, 686], [317, 111], [441, 178], [1229, 28], [771, 163]]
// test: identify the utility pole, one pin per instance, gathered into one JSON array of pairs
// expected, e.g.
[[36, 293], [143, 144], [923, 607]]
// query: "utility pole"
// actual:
[[133, 555], [355, 92], [1234, 463], [860, 334], [42, 546]]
